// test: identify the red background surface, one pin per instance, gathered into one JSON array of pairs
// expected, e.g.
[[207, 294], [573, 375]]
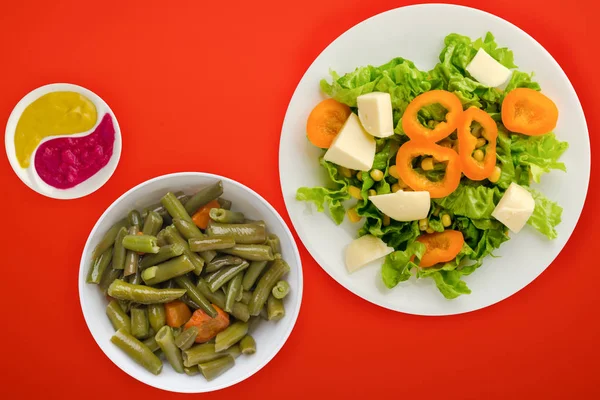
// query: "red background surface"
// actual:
[[204, 86]]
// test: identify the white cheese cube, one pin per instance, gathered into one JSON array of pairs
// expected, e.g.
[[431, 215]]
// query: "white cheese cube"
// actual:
[[352, 147], [364, 250], [403, 206], [514, 208], [375, 113], [487, 71]]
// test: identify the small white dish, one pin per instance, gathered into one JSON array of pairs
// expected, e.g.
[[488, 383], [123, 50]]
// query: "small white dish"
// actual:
[[402, 33], [269, 336], [30, 177]]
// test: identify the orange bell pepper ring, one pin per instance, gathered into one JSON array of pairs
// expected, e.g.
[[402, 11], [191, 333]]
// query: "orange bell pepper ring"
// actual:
[[416, 131], [529, 112], [440, 247], [411, 149], [473, 169]]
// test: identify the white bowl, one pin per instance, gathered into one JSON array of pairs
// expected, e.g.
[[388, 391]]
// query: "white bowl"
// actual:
[[29, 175], [269, 336]]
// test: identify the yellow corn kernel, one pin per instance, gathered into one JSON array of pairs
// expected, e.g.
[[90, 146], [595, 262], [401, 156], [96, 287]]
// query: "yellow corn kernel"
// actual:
[[359, 176], [355, 192], [446, 143], [396, 188], [476, 130], [372, 192], [423, 224], [429, 230], [377, 175], [402, 184], [346, 173], [386, 220], [495, 176], [427, 164], [446, 220], [481, 142], [478, 155], [394, 172], [353, 215]]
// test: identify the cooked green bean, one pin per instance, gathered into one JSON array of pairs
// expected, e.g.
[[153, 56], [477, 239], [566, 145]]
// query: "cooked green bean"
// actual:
[[248, 345], [161, 240], [224, 275], [241, 233], [190, 231], [277, 256], [157, 316], [119, 252], [118, 318], [281, 289], [175, 208], [211, 243], [169, 269], [177, 331], [222, 261], [109, 238], [135, 279], [141, 243], [190, 303], [252, 274], [240, 293], [203, 197], [125, 305], [152, 224], [132, 258], [252, 252], [142, 294], [135, 219], [191, 371], [239, 310], [204, 352], [137, 350], [275, 309], [166, 342], [108, 277], [246, 295], [173, 237], [263, 314], [186, 339], [230, 336], [226, 216], [224, 203], [162, 211], [265, 285], [212, 369], [99, 266], [274, 242], [234, 288], [164, 253], [151, 344], [139, 322], [194, 294]]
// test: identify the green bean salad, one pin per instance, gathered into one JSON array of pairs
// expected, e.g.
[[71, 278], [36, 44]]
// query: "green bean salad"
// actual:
[[187, 280]]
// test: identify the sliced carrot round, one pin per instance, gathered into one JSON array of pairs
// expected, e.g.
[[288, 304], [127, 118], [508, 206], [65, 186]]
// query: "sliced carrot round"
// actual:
[[325, 122], [440, 247], [529, 112]]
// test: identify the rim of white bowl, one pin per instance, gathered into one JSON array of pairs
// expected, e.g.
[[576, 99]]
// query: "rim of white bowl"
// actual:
[[296, 311]]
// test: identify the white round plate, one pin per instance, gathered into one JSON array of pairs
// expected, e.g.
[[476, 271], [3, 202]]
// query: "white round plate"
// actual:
[[401, 32], [29, 176], [269, 336]]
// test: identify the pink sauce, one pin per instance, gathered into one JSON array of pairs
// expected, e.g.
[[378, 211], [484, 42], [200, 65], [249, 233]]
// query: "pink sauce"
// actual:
[[66, 162]]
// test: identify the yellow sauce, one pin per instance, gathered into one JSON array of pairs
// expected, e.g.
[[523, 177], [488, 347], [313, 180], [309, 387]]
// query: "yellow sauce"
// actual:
[[56, 113]]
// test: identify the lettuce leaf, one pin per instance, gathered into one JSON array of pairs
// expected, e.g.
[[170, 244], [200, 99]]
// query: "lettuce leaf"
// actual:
[[468, 200], [546, 215], [322, 196], [540, 153], [397, 265]]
